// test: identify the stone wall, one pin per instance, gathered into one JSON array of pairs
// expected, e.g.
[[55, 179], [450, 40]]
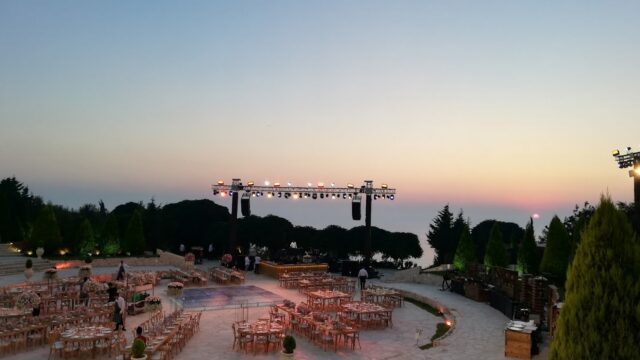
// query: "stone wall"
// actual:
[[164, 258], [413, 275]]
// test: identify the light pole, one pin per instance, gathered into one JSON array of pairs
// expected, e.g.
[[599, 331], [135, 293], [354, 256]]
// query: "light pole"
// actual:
[[319, 192], [632, 160]]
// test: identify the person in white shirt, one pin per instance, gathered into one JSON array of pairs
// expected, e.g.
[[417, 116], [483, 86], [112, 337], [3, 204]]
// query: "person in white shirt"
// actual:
[[363, 275], [257, 263], [120, 306]]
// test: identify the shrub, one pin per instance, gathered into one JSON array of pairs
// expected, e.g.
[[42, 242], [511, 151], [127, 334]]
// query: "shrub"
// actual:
[[289, 344], [137, 348]]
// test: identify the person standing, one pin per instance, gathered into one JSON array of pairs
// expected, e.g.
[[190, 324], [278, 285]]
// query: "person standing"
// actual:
[[256, 264], [363, 275], [112, 291], [210, 251], [181, 249], [120, 276], [118, 312]]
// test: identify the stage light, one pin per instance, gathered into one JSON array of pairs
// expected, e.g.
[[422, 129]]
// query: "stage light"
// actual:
[[384, 186], [375, 197], [320, 185], [309, 184], [295, 195], [279, 195], [391, 197], [269, 195], [253, 194], [333, 196], [230, 193], [287, 195], [223, 194], [266, 183], [350, 196], [350, 186], [216, 192], [220, 182], [321, 196], [333, 184], [289, 184], [250, 183], [276, 184], [616, 152], [314, 196]]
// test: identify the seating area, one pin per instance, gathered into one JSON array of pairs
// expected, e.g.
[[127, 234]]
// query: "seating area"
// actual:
[[223, 275], [168, 334]]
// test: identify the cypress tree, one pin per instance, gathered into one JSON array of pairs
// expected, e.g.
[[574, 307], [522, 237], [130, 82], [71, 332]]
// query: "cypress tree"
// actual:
[[110, 239], [495, 255], [46, 233], [466, 252], [527, 255], [600, 318], [85, 238], [134, 238], [440, 235], [557, 251]]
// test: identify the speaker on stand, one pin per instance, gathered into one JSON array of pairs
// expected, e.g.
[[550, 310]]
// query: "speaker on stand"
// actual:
[[356, 203]]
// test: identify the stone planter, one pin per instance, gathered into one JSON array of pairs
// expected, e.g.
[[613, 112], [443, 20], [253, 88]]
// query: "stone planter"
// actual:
[[144, 357], [285, 356], [39, 252]]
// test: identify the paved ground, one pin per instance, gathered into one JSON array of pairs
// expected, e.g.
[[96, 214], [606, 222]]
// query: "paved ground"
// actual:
[[478, 333]]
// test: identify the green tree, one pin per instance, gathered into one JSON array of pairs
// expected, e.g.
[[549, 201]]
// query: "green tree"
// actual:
[[46, 233], [110, 239], [600, 318], [557, 251], [495, 255], [466, 252], [440, 235], [134, 237], [85, 238], [527, 255]]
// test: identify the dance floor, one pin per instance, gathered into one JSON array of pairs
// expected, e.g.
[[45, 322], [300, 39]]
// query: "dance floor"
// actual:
[[228, 297]]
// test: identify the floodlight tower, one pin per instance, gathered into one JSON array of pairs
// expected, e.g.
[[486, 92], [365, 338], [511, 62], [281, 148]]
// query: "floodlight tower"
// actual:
[[275, 190], [632, 160]]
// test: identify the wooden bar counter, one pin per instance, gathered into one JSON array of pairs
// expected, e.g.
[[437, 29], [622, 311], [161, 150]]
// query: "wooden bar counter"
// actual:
[[274, 270]]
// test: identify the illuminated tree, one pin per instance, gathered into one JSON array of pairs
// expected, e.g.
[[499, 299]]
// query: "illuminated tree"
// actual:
[[600, 318]]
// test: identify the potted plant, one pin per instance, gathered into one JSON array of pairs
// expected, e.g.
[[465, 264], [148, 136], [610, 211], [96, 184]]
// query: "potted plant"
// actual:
[[137, 350], [28, 271], [288, 345]]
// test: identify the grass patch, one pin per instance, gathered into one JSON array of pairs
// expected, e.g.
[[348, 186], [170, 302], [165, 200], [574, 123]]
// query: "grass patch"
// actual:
[[423, 306], [441, 329]]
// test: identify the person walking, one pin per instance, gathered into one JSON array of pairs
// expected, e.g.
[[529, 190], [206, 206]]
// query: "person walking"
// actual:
[[363, 275], [120, 271], [119, 309]]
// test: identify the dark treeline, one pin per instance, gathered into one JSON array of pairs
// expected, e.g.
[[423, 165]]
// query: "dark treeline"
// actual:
[[134, 228], [497, 243]]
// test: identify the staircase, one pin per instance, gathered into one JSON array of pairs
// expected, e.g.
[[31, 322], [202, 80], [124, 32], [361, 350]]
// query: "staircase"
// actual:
[[13, 262]]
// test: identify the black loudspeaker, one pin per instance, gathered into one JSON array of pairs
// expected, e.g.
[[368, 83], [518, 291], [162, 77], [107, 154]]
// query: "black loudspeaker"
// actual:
[[245, 207], [355, 209]]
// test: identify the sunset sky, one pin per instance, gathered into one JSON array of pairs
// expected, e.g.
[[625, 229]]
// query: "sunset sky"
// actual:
[[502, 108]]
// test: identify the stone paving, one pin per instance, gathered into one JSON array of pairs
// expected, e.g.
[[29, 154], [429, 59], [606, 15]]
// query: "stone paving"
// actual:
[[478, 334]]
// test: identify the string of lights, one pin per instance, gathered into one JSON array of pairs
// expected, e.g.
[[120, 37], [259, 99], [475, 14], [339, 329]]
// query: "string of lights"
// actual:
[[319, 191], [302, 192]]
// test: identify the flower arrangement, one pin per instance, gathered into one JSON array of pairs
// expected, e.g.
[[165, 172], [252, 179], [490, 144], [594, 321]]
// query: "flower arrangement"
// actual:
[[85, 271], [153, 300], [27, 299], [91, 286]]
